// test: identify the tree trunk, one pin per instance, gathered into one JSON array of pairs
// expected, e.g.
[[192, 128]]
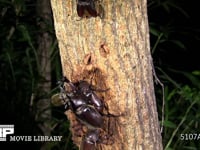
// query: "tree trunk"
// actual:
[[114, 53], [44, 46]]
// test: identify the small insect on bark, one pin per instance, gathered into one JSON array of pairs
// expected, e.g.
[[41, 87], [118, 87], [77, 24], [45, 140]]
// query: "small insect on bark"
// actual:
[[89, 8]]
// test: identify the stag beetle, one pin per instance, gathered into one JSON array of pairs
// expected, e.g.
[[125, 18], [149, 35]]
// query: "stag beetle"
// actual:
[[87, 107], [87, 6]]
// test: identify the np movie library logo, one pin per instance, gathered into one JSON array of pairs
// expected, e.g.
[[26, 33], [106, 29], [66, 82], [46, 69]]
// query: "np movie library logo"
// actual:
[[5, 130]]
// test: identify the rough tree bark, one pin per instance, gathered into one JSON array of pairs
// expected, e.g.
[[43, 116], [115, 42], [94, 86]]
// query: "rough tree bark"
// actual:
[[114, 53]]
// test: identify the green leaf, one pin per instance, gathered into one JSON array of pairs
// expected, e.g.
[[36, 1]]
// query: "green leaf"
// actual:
[[196, 72], [169, 124], [178, 43], [154, 31]]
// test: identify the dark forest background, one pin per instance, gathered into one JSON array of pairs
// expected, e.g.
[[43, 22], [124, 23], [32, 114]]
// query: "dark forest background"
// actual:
[[30, 67]]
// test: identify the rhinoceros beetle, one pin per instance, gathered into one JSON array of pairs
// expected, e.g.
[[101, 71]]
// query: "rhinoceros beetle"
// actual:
[[89, 7], [90, 140], [81, 99]]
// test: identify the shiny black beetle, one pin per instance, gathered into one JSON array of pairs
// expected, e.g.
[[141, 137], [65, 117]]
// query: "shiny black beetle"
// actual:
[[90, 140], [89, 7], [81, 99], [83, 102]]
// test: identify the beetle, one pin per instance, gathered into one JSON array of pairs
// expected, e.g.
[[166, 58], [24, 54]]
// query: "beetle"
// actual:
[[90, 140], [88, 8], [88, 108], [94, 137], [86, 91], [83, 102]]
